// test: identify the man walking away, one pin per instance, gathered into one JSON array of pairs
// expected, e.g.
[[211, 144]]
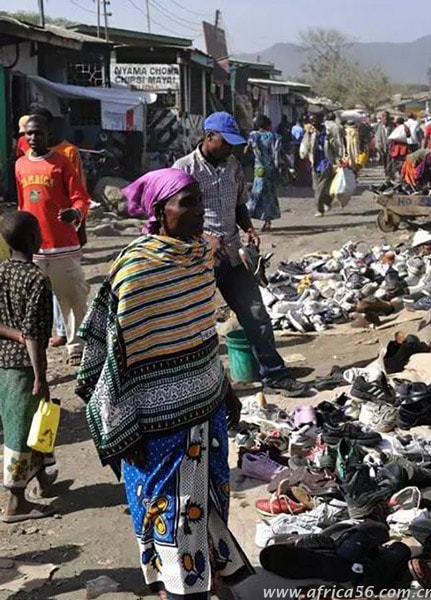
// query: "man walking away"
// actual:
[[415, 138], [50, 189], [383, 131], [314, 147], [224, 195]]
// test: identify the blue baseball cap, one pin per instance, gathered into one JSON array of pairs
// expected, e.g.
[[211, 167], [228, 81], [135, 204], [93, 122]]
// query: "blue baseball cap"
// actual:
[[225, 124]]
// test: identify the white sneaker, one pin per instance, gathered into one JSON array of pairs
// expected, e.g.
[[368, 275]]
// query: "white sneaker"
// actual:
[[379, 417], [285, 525], [304, 437]]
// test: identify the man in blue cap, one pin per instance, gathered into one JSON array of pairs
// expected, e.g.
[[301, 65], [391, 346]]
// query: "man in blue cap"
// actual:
[[224, 194]]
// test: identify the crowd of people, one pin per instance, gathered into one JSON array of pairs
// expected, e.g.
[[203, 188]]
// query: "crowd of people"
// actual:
[[158, 401]]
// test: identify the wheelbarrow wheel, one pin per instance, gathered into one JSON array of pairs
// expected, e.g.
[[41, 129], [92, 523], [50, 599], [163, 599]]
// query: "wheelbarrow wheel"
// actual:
[[388, 222]]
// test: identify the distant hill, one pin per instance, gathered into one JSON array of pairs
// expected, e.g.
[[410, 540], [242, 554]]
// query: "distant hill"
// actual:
[[403, 62]]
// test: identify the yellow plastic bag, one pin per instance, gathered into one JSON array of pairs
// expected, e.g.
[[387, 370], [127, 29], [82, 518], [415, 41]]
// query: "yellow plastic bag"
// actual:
[[362, 160], [44, 426]]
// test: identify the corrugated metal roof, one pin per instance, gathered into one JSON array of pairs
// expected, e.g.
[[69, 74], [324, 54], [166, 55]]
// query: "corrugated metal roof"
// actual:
[[74, 35], [51, 34], [281, 83], [147, 38]]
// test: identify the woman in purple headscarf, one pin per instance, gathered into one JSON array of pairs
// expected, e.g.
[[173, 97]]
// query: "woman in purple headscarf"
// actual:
[[157, 394]]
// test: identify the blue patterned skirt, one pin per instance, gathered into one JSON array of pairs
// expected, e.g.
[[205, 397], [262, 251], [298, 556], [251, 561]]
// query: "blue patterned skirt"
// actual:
[[179, 502], [263, 203]]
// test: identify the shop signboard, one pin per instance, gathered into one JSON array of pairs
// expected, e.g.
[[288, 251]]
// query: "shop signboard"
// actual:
[[154, 77]]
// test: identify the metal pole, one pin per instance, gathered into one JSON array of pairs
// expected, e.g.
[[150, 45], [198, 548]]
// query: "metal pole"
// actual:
[[41, 13], [105, 14], [98, 17], [147, 4]]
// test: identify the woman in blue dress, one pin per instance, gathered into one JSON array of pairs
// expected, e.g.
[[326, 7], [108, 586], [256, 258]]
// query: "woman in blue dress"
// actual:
[[266, 145]]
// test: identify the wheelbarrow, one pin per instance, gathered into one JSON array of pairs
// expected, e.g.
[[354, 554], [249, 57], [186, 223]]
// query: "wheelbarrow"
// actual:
[[399, 208]]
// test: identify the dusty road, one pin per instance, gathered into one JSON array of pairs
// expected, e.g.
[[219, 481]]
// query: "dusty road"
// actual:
[[92, 535]]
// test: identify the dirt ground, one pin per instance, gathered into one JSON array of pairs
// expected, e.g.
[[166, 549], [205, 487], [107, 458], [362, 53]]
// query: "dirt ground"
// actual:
[[92, 534]]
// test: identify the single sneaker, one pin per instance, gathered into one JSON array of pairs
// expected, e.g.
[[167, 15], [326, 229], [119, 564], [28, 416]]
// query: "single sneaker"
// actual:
[[423, 304], [348, 457], [289, 387], [305, 437], [414, 414], [283, 525], [321, 456], [416, 449], [353, 432], [333, 380], [373, 391], [304, 415], [405, 499], [362, 494], [299, 321], [379, 417], [260, 466], [278, 505]]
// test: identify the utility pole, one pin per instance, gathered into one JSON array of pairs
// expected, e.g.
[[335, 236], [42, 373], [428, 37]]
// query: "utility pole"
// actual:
[[106, 14], [98, 17], [41, 13], [217, 18], [147, 4]]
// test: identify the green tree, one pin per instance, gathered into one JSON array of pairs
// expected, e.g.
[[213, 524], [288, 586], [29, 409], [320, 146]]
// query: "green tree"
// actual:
[[33, 17]]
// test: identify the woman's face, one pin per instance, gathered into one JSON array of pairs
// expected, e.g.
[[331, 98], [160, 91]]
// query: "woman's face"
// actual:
[[183, 214]]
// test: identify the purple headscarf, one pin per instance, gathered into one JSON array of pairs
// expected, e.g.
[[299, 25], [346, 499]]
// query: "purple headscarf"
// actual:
[[143, 194]]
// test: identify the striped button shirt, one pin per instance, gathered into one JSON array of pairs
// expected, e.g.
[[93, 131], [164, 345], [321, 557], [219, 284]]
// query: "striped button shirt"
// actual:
[[223, 189]]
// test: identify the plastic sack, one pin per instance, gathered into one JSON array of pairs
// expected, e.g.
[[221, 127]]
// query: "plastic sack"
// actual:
[[399, 135], [44, 426], [343, 185], [362, 159]]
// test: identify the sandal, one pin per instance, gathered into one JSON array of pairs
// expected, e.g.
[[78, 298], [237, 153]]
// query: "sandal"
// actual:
[[74, 360], [39, 511]]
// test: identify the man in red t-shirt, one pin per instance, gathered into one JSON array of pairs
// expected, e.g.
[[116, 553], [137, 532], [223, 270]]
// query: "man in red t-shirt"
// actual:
[[50, 188]]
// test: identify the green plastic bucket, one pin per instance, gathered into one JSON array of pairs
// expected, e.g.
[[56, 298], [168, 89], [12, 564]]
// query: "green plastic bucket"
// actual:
[[242, 363]]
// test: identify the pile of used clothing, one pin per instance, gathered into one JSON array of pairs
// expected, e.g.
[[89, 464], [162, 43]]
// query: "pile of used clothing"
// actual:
[[342, 484], [324, 289]]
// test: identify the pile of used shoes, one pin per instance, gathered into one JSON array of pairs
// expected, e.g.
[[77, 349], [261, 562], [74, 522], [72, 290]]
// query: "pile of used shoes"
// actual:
[[342, 483], [324, 289]]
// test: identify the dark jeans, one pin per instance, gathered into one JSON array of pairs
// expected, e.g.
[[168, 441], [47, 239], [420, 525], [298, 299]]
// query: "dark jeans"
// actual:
[[241, 292], [321, 186]]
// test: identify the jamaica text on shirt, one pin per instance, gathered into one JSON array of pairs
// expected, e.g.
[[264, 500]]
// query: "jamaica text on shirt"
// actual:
[[28, 180]]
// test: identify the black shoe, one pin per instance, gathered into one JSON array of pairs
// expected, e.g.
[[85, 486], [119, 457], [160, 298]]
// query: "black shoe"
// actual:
[[398, 354], [350, 431], [394, 285], [356, 543], [312, 541], [331, 381], [414, 414], [363, 496], [300, 322], [289, 387], [409, 392], [374, 391]]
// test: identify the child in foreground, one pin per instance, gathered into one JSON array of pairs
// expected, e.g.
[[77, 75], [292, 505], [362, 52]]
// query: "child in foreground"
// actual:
[[25, 328]]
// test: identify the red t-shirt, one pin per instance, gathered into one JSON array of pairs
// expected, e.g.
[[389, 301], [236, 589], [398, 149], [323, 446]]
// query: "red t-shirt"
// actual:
[[428, 134], [46, 185], [22, 146]]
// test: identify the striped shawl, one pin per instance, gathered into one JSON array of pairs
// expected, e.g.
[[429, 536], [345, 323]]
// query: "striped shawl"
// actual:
[[151, 362]]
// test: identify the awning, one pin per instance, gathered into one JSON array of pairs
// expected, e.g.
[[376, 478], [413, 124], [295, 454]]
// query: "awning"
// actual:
[[118, 95], [121, 109]]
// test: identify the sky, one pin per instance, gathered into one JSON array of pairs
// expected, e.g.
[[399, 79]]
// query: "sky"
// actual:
[[254, 25]]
